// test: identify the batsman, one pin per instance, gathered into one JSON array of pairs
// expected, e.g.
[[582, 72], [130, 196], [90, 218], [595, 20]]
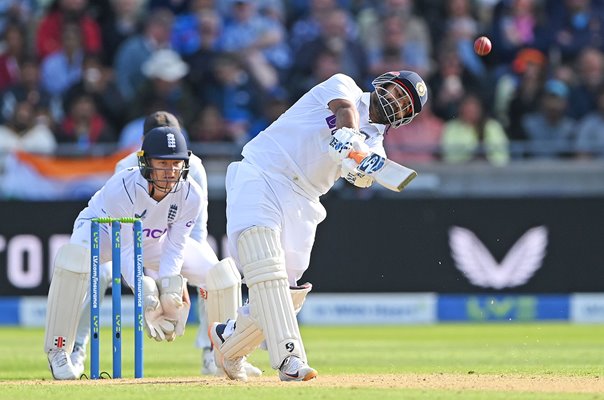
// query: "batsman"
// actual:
[[274, 208]]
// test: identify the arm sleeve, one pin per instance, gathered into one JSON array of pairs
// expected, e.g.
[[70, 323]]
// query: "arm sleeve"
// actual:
[[172, 257], [200, 229]]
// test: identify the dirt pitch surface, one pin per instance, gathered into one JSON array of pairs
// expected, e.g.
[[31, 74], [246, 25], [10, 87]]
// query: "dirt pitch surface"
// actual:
[[543, 384]]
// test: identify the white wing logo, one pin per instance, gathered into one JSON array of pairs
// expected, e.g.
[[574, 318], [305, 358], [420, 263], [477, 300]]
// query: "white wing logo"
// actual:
[[478, 265]]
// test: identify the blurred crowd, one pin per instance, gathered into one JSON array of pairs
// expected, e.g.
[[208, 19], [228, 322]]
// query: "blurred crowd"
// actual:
[[86, 72]]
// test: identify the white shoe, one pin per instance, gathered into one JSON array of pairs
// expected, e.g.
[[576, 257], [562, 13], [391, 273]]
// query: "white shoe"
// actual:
[[60, 365], [294, 369], [233, 368], [250, 369], [78, 356], [208, 366]]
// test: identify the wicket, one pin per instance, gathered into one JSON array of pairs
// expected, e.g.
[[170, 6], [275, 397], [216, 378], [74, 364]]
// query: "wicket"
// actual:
[[116, 295]]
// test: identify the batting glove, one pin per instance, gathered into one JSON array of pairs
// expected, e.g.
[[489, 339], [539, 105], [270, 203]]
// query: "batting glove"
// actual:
[[343, 142]]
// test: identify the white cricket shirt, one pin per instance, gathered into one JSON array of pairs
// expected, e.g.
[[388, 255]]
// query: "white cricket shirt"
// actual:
[[295, 146], [166, 223]]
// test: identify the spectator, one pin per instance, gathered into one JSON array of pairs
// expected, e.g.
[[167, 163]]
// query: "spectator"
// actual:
[[308, 27], [187, 31], [19, 12], [416, 31], [25, 131], [63, 68], [450, 82], [29, 87], [202, 60], [461, 28], [165, 87], [590, 132], [517, 24], [123, 22], [550, 132], [274, 105], [589, 77], [235, 94], [15, 47], [210, 127], [576, 26], [334, 38], [325, 64], [50, 29], [261, 42], [174, 6], [83, 125], [518, 91], [417, 143], [133, 52], [97, 81], [396, 51], [473, 135]]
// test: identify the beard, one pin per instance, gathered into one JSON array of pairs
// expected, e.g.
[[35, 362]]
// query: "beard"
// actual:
[[376, 111]]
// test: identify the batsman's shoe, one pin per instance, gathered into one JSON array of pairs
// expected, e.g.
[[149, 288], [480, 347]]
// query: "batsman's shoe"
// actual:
[[60, 365], [233, 368], [294, 369], [78, 356], [208, 366], [250, 369]]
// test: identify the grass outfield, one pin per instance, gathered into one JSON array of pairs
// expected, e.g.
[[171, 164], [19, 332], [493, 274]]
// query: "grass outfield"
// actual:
[[486, 361]]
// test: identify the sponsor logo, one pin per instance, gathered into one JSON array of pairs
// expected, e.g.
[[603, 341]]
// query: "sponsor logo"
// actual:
[[372, 163], [289, 346], [59, 342], [141, 215], [477, 264], [337, 145], [154, 233], [522, 308], [331, 121]]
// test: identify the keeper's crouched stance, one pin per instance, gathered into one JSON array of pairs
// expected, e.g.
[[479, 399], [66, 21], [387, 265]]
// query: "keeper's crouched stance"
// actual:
[[170, 203]]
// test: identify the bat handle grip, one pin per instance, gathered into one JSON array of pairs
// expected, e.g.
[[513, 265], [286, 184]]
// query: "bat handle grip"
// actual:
[[357, 156]]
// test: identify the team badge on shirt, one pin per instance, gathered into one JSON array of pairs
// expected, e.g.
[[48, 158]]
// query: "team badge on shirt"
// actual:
[[172, 213]]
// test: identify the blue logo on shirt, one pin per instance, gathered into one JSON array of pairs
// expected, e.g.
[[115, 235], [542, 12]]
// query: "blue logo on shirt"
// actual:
[[331, 121]]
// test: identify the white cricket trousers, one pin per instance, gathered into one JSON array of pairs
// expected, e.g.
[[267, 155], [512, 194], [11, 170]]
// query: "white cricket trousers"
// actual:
[[255, 199]]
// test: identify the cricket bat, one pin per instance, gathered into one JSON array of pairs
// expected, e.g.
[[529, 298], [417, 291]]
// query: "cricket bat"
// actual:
[[387, 173]]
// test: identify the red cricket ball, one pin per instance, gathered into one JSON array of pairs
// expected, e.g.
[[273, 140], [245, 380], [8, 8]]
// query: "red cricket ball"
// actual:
[[482, 46]]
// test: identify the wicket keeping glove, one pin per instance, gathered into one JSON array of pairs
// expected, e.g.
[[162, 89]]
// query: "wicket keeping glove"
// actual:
[[155, 324], [171, 298]]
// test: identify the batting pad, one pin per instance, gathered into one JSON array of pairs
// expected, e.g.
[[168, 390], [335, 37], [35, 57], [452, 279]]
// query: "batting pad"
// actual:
[[83, 331], [271, 304], [68, 288], [248, 336], [223, 284]]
